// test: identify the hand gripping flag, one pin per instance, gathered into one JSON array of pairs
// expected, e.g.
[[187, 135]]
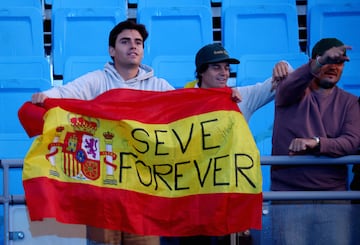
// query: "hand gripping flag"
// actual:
[[176, 163]]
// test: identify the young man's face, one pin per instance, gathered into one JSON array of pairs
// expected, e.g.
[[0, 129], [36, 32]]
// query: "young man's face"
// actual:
[[330, 74], [216, 75], [129, 49]]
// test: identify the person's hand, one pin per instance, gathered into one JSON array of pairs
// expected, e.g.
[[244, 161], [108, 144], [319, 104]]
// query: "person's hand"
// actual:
[[280, 71], [298, 145], [334, 55], [236, 96], [38, 98]]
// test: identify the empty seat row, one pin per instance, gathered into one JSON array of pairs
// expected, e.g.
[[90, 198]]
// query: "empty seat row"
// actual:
[[177, 30], [239, 20], [20, 77], [24, 69]]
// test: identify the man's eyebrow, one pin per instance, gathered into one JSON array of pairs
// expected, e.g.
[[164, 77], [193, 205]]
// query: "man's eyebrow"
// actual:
[[128, 38]]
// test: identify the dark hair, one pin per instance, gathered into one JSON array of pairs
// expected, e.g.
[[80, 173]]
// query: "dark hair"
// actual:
[[324, 44], [127, 25], [200, 70]]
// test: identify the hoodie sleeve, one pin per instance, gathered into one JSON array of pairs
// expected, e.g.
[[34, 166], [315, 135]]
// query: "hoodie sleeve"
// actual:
[[255, 96], [85, 87]]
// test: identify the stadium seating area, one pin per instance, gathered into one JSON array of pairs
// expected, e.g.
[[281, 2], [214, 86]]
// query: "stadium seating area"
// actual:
[[49, 42], [45, 42], [24, 69]]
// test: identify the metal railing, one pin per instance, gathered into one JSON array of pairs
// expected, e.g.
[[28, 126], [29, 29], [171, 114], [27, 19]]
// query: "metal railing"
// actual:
[[8, 199], [310, 195]]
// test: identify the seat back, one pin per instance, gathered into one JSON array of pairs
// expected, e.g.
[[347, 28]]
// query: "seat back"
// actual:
[[21, 3], [82, 30], [22, 32], [88, 4], [77, 66], [177, 70], [333, 19], [260, 27], [258, 67], [311, 3], [350, 77], [20, 77], [177, 30]]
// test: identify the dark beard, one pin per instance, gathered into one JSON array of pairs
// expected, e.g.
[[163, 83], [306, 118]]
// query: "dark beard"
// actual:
[[325, 84]]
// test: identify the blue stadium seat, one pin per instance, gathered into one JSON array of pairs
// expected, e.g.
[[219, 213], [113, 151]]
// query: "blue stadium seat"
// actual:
[[351, 76], [20, 78], [88, 4], [22, 68], [21, 3], [257, 67], [177, 70], [177, 30], [333, 19], [81, 28], [22, 32], [76, 66], [260, 27]]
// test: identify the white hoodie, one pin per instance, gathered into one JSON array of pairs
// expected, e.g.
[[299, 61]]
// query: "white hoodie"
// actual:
[[94, 83]]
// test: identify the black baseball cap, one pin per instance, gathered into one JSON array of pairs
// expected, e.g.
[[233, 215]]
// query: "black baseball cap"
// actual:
[[213, 53]]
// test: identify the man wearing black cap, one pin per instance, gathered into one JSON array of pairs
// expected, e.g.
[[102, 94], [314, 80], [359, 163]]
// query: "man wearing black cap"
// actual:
[[314, 117], [213, 71]]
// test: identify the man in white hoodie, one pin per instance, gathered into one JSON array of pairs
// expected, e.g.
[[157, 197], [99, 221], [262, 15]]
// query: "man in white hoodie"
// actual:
[[126, 48]]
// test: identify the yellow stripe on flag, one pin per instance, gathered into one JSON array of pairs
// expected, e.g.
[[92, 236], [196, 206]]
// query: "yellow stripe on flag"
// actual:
[[208, 153]]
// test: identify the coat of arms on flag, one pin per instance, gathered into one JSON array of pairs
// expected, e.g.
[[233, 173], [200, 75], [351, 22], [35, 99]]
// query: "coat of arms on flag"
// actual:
[[79, 150]]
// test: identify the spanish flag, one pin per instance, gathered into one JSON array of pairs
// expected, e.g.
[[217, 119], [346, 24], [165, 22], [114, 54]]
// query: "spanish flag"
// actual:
[[176, 163]]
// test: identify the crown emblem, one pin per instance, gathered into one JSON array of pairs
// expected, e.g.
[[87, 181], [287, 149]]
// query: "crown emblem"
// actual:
[[82, 125], [59, 129], [108, 135]]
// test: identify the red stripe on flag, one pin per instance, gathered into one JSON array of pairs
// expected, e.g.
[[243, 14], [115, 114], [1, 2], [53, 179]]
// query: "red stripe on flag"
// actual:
[[143, 106], [150, 106], [210, 214]]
